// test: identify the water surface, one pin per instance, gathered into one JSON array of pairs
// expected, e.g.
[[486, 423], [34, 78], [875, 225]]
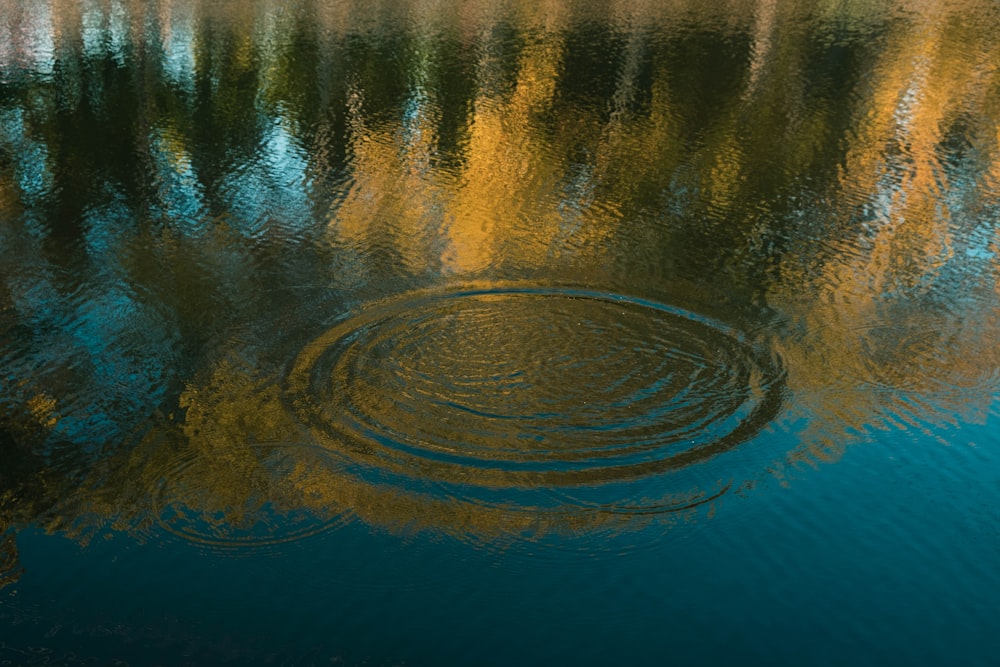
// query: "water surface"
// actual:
[[499, 333]]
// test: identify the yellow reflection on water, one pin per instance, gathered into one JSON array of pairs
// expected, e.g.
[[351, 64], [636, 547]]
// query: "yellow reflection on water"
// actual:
[[887, 337], [256, 461], [509, 173], [211, 483], [887, 329]]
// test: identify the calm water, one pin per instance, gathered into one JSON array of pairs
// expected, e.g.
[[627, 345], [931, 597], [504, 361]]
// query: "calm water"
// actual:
[[481, 333]]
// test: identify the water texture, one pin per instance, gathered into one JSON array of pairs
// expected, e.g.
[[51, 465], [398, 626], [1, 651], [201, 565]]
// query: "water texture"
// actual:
[[499, 332]]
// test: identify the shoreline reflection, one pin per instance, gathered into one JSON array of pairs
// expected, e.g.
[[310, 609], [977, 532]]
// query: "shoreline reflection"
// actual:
[[191, 193]]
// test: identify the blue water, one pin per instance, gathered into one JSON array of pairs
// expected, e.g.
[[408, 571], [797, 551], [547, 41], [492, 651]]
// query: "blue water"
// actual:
[[862, 563]]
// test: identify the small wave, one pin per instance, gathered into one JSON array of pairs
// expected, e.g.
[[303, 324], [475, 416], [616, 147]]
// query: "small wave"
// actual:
[[274, 502], [494, 398]]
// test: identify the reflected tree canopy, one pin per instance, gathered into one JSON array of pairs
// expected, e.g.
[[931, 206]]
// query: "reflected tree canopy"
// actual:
[[192, 192]]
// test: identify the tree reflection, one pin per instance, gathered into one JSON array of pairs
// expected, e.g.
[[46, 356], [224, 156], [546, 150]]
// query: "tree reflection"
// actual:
[[187, 183]]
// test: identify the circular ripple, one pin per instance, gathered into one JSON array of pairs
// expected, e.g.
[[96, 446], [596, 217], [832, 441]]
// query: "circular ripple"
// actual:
[[533, 388], [273, 499], [926, 357]]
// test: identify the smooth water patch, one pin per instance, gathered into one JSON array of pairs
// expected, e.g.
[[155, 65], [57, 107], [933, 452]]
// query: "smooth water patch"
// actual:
[[580, 405]]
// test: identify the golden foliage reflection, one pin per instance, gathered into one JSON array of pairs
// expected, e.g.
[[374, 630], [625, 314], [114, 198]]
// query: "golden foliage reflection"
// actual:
[[408, 141]]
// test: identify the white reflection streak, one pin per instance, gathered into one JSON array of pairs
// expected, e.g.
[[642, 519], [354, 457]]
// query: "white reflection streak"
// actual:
[[178, 44], [33, 178], [910, 99], [917, 167], [41, 43], [273, 186], [27, 37], [419, 120], [760, 51], [92, 21], [178, 185], [118, 32], [105, 32], [8, 52], [287, 163], [31, 164]]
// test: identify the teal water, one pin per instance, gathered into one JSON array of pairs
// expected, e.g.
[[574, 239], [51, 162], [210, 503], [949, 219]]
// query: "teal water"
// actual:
[[493, 333]]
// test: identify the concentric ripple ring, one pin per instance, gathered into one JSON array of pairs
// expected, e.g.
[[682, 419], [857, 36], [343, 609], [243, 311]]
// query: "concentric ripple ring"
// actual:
[[269, 510], [532, 387]]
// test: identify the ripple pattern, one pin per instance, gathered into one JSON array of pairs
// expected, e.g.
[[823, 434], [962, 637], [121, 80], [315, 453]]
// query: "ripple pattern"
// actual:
[[273, 503], [534, 388], [925, 358]]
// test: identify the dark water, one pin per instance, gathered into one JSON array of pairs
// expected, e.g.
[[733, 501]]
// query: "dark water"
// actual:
[[499, 333]]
